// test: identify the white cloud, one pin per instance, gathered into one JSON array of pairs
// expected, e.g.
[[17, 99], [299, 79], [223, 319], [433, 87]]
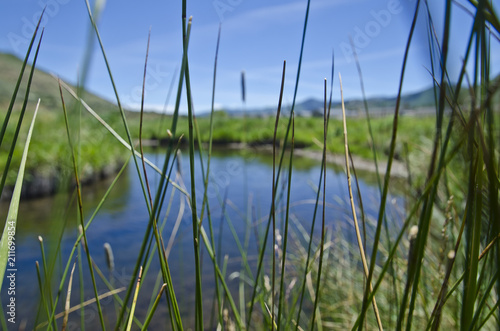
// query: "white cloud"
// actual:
[[263, 16]]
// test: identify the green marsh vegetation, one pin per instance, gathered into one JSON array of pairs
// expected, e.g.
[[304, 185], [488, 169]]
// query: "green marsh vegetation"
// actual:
[[434, 265], [49, 150]]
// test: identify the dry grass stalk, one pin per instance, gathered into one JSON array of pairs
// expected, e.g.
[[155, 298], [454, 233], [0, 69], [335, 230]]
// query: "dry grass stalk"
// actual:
[[358, 234], [68, 299]]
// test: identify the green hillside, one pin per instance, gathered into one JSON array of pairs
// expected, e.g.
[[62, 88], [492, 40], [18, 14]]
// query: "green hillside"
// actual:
[[49, 158], [44, 87], [100, 153]]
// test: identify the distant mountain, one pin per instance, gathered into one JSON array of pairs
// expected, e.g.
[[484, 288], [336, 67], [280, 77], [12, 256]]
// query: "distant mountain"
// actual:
[[45, 87], [414, 102]]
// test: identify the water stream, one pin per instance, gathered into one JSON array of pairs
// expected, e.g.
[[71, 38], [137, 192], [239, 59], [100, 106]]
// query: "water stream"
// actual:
[[240, 186]]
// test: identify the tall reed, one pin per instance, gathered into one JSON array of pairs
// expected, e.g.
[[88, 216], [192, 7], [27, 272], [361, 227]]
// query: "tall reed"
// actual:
[[436, 267]]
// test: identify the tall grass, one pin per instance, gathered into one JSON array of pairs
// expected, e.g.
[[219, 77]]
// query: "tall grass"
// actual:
[[443, 273]]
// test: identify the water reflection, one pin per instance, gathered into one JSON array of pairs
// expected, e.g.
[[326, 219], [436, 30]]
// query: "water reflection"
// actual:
[[239, 192]]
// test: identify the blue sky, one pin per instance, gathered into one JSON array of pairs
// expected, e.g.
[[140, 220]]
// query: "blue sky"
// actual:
[[257, 36]]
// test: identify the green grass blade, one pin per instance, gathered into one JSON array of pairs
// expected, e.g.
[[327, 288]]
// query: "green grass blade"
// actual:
[[80, 211], [482, 303], [157, 234], [122, 112], [326, 116], [19, 80], [21, 117], [146, 180], [157, 201], [48, 283], [157, 205], [375, 161], [76, 245], [191, 138], [210, 252], [134, 302], [273, 201], [42, 291], [353, 209], [80, 277], [261, 255], [313, 223], [153, 308], [285, 235], [489, 13], [118, 137], [7, 242], [388, 170], [206, 182], [413, 211]]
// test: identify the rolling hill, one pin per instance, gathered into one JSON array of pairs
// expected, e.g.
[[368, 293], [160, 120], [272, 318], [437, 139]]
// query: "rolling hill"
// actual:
[[49, 158], [44, 86]]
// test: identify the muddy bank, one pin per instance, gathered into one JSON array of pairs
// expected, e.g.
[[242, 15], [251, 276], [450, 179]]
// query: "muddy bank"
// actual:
[[37, 184], [45, 184], [398, 170]]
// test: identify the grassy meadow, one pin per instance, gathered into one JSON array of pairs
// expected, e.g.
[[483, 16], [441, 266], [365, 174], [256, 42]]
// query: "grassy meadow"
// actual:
[[434, 265], [99, 150]]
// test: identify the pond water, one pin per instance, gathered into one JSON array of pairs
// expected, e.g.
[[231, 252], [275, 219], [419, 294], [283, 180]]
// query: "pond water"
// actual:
[[239, 191]]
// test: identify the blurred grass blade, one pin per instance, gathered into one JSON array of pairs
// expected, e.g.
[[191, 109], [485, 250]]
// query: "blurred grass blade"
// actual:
[[68, 299], [134, 302], [313, 222], [353, 209], [146, 180], [437, 312], [40, 287], [316, 311], [375, 160], [47, 286], [80, 210], [115, 134], [83, 304], [153, 308], [186, 25], [8, 236], [273, 201], [99, 5], [77, 246], [489, 13], [21, 117], [390, 160], [285, 142], [285, 234], [218, 293], [19, 80]]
